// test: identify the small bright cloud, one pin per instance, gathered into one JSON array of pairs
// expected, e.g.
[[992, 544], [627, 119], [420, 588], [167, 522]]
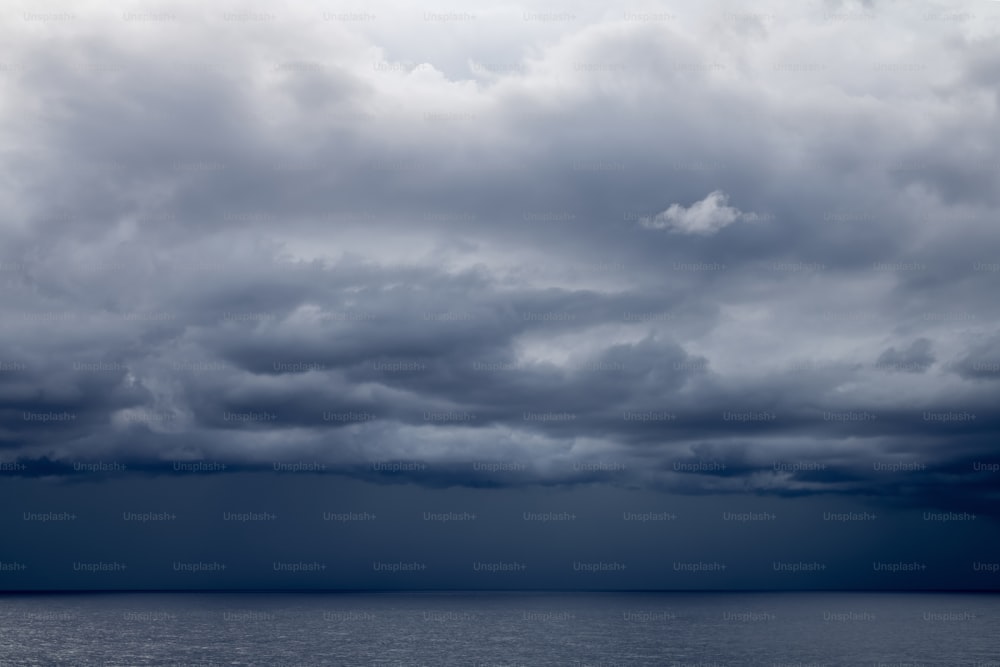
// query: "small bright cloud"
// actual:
[[704, 217]]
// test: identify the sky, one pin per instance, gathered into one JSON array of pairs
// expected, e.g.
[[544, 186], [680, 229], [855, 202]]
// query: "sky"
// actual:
[[661, 259]]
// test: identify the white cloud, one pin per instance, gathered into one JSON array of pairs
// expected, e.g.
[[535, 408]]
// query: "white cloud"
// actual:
[[704, 217]]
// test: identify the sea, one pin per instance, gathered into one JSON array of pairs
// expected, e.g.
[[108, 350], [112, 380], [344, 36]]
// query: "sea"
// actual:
[[501, 629]]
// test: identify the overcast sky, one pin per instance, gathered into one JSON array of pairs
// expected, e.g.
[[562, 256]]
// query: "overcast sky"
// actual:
[[686, 248]]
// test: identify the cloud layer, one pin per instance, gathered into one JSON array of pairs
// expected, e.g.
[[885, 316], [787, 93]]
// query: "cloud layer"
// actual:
[[307, 237]]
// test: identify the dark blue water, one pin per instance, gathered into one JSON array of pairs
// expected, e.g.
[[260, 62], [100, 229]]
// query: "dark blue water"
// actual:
[[494, 629]]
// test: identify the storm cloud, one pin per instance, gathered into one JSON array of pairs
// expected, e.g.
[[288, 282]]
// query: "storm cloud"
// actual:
[[704, 250]]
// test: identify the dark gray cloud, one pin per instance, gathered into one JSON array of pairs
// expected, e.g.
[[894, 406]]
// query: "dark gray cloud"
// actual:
[[915, 358], [621, 251]]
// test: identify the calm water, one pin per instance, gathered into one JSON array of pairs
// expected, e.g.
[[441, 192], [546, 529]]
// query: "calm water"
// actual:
[[493, 629]]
